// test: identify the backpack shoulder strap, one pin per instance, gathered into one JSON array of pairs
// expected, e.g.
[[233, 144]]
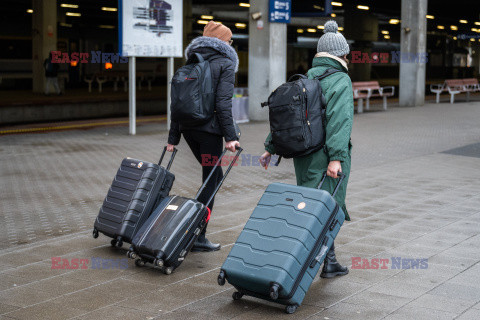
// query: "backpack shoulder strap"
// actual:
[[327, 72], [199, 57]]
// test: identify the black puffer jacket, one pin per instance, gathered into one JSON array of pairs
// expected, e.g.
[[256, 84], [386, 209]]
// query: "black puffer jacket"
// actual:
[[223, 64]]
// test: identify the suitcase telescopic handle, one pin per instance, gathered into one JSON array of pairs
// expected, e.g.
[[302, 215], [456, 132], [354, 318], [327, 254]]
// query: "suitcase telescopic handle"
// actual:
[[171, 158], [340, 175], [239, 150]]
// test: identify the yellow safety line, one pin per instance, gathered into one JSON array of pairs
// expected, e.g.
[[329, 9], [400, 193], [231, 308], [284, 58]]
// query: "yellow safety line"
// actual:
[[76, 126]]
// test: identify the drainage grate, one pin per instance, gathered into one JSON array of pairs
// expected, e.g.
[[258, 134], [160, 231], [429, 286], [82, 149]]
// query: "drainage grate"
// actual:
[[471, 150]]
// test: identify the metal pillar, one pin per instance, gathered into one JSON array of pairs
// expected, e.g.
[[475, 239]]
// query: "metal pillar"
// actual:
[[413, 41], [132, 108], [169, 81]]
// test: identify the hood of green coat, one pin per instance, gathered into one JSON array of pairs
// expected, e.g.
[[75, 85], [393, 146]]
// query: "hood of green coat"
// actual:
[[327, 63]]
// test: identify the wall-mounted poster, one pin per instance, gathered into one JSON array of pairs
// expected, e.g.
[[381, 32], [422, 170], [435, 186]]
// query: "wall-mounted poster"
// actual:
[[150, 28]]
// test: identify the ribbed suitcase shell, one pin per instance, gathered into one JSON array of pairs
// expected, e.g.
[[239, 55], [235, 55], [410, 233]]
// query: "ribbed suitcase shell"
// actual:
[[170, 231], [136, 189], [284, 234]]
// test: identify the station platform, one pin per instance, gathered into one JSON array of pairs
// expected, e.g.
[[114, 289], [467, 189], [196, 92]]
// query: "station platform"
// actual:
[[414, 193]]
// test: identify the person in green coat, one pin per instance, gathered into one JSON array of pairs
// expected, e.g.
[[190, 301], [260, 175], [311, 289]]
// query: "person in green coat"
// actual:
[[336, 156]]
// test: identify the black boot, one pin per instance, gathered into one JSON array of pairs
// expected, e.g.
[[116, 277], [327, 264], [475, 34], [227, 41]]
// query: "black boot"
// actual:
[[203, 244], [331, 267]]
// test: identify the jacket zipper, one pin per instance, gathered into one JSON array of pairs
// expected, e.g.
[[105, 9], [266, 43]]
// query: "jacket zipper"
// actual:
[[312, 255]]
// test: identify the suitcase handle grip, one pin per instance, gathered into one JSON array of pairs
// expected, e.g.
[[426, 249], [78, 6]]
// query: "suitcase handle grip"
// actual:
[[239, 150], [171, 158], [340, 175]]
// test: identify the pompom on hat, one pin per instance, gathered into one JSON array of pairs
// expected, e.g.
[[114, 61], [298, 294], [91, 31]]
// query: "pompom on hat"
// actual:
[[332, 41]]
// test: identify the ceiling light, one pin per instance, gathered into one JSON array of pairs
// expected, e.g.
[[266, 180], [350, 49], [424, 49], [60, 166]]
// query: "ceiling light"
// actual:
[[385, 32], [440, 27], [474, 29], [320, 27], [463, 21], [312, 30], [386, 36], [333, 15], [66, 5], [241, 25], [454, 38], [363, 7], [202, 21], [300, 30], [477, 23], [206, 17], [454, 27], [429, 16], [29, 10], [340, 28], [104, 26], [471, 39], [337, 4], [109, 9], [243, 4], [394, 21], [63, 24], [73, 14]]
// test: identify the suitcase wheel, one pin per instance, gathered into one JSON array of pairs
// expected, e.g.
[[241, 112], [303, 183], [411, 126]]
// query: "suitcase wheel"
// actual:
[[221, 278], [116, 243], [95, 233], [131, 255], [168, 270], [291, 309], [237, 295], [139, 262], [158, 262], [274, 291]]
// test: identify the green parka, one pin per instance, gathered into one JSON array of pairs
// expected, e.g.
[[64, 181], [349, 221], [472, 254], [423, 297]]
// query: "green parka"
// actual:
[[338, 92]]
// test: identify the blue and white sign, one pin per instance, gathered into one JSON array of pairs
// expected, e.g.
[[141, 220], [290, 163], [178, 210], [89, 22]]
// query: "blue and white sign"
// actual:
[[280, 11]]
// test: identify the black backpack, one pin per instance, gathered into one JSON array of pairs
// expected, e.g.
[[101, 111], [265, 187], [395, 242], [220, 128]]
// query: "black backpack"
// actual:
[[297, 116], [193, 99]]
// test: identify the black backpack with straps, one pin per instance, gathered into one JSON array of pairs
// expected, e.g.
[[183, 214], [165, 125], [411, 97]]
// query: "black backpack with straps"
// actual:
[[297, 115], [192, 92]]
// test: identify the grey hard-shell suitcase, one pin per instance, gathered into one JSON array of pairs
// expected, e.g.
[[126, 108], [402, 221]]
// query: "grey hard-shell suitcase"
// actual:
[[138, 187], [283, 244], [170, 232]]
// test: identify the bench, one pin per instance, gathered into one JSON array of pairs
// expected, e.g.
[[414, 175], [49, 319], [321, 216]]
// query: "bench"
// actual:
[[455, 86], [368, 89]]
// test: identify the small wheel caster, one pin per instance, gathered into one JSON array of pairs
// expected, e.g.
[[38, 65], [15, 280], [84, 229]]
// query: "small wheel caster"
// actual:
[[237, 295], [131, 255], [291, 309], [95, 233], [274, 291], [139, 262], [119, 243], [168, 270], [158, 262], [221, 278], [113, 242]]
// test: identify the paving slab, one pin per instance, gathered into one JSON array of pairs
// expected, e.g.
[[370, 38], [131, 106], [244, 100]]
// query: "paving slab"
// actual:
[[424, 204]]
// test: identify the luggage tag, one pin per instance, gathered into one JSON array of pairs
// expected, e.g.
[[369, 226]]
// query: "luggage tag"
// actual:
[[318, 258]]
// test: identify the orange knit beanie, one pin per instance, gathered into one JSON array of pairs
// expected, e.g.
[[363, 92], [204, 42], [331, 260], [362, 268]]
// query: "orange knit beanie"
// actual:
[[217, 30]]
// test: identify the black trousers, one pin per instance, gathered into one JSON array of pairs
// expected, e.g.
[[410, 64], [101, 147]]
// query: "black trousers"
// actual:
[[206, 148]]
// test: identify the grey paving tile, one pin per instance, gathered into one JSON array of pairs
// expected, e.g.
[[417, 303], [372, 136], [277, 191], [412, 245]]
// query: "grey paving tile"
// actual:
[[411, 312], [384, 302], [45, 311], [399, 288], [344, 310], [459, 291], [472, 314], [325, 292], [116, 312], [4, 308], [23, 296], [448, 304]]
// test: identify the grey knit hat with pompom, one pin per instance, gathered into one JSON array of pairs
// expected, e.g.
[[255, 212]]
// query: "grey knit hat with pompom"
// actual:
[[332, 41]]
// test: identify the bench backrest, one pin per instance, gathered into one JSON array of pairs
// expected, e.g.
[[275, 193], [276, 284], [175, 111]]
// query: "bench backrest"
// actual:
[[452, 83], [362, 85], [470, 81]]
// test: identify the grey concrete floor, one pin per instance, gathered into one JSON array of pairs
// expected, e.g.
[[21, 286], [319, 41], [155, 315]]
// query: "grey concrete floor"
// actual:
[[414, 194]]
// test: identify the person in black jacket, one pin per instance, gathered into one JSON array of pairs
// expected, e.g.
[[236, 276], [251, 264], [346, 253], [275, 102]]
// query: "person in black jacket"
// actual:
[[205, 140]]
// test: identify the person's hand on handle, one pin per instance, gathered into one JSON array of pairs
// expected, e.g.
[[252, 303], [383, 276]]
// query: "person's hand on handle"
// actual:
[[333, 168], [265, 159], [170, 147], [230, 145]]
